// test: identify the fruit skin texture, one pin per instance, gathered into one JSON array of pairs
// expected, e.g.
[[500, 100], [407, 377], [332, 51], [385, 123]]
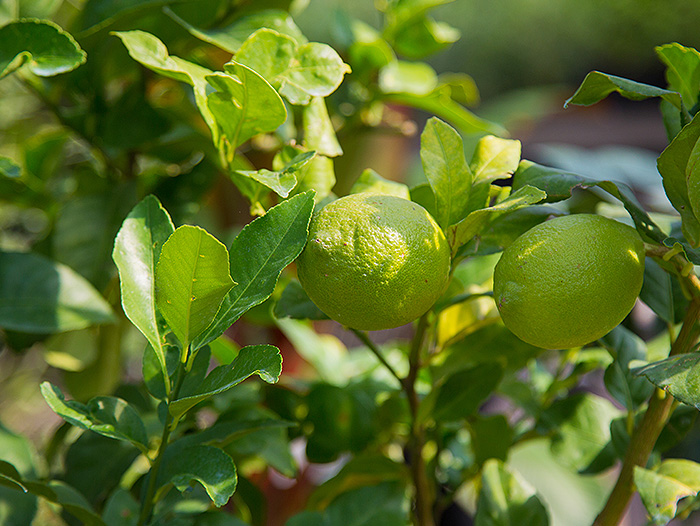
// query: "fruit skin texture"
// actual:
[[374, 262], [569, 281]]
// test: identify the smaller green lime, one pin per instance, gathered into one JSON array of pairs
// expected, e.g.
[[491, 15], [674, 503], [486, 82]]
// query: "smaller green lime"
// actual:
[[373, 261], [569, 281]]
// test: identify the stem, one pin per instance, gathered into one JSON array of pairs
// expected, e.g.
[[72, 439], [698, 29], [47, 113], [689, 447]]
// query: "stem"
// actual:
[[646, 434], [370, 345], [148, 502], [423, 498]]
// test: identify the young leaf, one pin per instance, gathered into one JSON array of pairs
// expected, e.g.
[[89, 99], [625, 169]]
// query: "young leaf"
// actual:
[[136, 252], [210, 466], [280, 181], [506, 499], [660, 494], [258, 255], [444, 164], [192, 277], [678, 166], [371, 181], [558, 185], [46, 48], [299, 72], [596, 86], [682, 70], [263, 360], [244, 104], [495, 158], [470, 226], [411, 78], [677, 375], [319, 134], [40, 296], [106, 415]]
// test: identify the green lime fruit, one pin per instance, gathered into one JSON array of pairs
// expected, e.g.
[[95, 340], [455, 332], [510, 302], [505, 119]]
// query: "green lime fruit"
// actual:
[[374, 262], [567, 282]]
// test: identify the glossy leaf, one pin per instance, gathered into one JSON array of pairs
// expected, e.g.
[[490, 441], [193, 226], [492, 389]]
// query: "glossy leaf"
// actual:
[[679, 168], [244, 104], [460, 394], [474, 223], [559, 184], [231, 37], [371, 181], [660, 494], [495, 158], [40, 296], [506, 499], [192, 277], [295, 303], [444, 164], [263, 360], [136, 252], [299, 72], [657, 291], [258, 255], [210, 466], [319, 134], [283, 181], [106, 415], [597, 85], [43, 46], [678, 375]]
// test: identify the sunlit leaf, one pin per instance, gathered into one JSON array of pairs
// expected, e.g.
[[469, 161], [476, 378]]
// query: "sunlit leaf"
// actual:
[[660, 494], [677, 375], [371, 181]]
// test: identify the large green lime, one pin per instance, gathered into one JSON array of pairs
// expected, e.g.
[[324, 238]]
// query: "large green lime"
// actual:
[[373, 261], [570, 280]]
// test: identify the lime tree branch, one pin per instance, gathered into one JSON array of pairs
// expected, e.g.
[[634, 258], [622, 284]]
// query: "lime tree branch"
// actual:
[[647, 433]]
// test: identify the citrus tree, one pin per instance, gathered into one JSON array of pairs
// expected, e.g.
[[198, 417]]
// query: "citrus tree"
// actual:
[[139, 134]]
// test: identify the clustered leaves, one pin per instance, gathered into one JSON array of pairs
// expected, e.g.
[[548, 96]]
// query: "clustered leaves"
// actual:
[[151, 138]]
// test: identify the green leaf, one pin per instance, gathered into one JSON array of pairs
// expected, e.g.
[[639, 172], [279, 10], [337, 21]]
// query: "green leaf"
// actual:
[[559, 184], [581, 428], [152, 53], [495, 158], [72, 350], [682, 70], [678, 166], [210, 466], [244, 104], [294, 303], [491, 438], [411, 78], [258, 255], [9, 168], [299, 72], [660, 494], [371, 181], [657, 291], [626, 387], [263, 360], [474, 223], [677, 375], [106, 415], [444, 164], [42, 45], [192, 277], [283, 181], [67, 497], [121, 509], [683, 470], [460, 394], [319, 134], [231, 37], [39, 296], [506, 499], [136, 252], [597, 85], [424, 37]]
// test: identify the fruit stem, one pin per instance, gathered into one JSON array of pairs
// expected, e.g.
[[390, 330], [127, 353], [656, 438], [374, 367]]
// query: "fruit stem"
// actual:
[[370, 345], [423, 496], [148, 502], [646, 434]]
